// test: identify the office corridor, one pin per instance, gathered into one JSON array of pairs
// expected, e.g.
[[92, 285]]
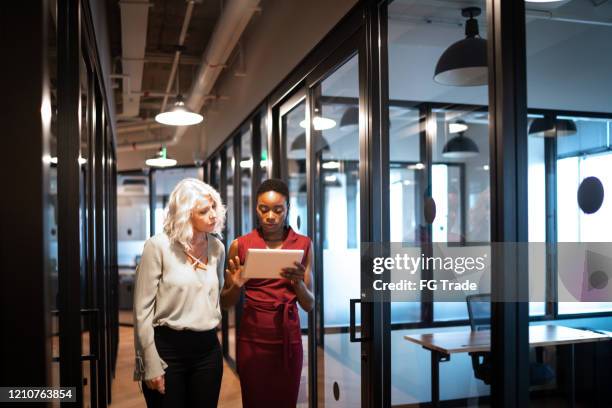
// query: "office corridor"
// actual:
[[126, 392]]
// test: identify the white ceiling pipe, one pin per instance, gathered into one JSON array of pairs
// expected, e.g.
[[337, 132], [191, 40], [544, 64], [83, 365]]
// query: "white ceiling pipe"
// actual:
[[229, 29], [230, 26], [134, 19], [131, 147], [142, 126], [177, 53]]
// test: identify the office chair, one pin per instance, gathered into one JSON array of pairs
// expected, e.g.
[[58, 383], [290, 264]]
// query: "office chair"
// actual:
[[479, 311]]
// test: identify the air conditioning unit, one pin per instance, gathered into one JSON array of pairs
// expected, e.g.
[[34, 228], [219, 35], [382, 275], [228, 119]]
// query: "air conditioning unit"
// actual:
[[132, 186]]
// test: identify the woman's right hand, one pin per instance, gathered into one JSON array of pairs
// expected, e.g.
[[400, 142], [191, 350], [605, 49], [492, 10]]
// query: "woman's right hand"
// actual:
[[157, 383], [235, 273]]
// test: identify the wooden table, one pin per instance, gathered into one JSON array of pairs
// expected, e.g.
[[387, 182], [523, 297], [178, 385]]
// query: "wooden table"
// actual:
[[443, 344]]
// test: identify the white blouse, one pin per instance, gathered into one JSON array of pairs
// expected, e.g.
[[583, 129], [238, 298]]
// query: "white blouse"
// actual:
[[170, 292]]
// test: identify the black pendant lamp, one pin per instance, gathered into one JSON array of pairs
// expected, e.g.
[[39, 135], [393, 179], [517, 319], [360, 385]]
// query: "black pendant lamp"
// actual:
[[464, 63], [298, 145], [551, 127], [350, 118], [460, 147]]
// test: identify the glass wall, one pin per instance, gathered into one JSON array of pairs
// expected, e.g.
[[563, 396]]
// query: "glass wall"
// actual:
[[335, 131], [265, 155], [52, 210], [440, 192], [133, 229], [570, 119], [293, 124], [133, 217], [230, 235], [568, 64], [246, 176], [439, 183], [78, 216]]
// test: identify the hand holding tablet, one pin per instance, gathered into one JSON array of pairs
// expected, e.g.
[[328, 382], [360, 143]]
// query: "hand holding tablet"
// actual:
[[270, 263]]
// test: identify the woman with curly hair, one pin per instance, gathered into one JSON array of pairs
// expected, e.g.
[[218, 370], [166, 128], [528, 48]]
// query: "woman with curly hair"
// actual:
[[176, 302], [269, 347]]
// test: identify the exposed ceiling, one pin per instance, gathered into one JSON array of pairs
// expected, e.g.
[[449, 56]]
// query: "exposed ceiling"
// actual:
[[163, 21]]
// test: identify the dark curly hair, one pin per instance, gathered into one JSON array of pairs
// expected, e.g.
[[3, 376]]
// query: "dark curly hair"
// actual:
[[277, 185]]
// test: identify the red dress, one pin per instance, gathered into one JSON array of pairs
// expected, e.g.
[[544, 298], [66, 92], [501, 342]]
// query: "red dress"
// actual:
[[269, 348]]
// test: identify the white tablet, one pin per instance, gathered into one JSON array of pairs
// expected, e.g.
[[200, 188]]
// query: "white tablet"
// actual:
[[269, 263]]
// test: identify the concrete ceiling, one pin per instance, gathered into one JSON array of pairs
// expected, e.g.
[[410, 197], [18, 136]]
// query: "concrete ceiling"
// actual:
[[163, 27]]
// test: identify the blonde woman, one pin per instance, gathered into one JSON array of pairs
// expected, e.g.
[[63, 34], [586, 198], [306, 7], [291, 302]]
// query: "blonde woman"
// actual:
[[176, 302]]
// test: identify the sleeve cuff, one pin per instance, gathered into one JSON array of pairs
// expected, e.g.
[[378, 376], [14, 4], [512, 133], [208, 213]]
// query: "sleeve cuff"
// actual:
[[151, 366]]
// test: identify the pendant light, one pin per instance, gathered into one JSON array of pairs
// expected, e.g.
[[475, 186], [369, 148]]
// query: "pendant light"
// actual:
[[464, 63], [161, 159], [319, 123], [457, 126], [350, 118], [548, 126], [460, 147], [179, 114]]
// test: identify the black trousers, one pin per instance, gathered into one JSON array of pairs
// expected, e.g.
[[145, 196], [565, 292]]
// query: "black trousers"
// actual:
[[195, 368]]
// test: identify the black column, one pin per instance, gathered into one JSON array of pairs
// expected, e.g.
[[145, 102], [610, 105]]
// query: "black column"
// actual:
[[100, 246], [68, 192], [374, 180], [25, 342], [508, 140]]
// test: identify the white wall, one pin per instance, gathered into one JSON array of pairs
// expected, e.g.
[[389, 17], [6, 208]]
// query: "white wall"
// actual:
[[274, 44], [183, 151]]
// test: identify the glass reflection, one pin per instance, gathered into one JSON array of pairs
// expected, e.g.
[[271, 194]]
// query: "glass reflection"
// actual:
[[438, 171], [295, 141], [336, 150]]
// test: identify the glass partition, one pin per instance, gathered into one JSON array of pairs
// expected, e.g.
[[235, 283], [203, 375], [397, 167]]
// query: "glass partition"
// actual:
[[293, 123], [335, 131], [265, 161], [246, 176], [439, 183], [230, 235], [568, 65]]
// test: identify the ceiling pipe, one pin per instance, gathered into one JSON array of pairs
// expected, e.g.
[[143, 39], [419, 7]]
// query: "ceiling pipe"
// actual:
[[228, 30], [134, 20], [177, 53], [132, 147], [548, 15], [140, 126]]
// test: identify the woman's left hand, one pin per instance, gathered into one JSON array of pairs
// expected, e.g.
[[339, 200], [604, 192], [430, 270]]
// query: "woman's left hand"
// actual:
[[295, 275]]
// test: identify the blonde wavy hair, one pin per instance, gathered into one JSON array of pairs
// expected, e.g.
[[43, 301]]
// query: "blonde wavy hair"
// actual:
[[183, 199]]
